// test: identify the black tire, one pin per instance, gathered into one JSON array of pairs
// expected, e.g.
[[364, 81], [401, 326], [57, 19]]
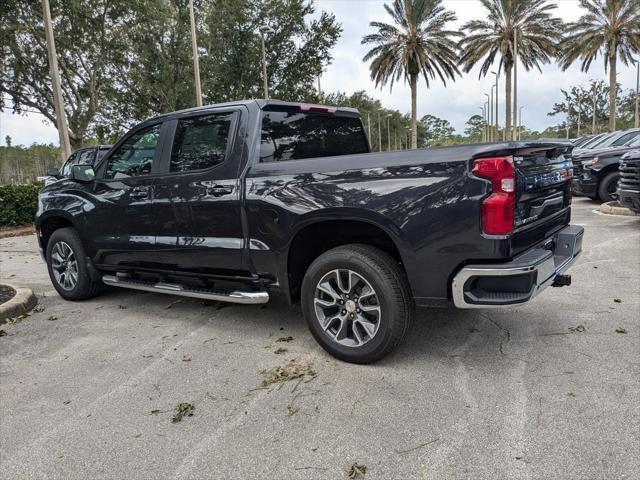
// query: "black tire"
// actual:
[[392, 293], [607, 186], [84, 286]]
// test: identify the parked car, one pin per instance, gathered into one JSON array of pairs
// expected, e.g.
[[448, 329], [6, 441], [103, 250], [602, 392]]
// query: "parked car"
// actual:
[[628, 190], [83, 156], [578, 142], [232, 202], [596, 175]]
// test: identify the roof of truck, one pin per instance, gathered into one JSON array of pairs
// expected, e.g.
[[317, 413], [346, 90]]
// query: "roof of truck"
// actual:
[[262, 104]]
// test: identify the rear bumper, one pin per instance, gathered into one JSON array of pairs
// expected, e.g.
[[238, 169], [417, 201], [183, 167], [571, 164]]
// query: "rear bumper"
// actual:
[[518, 281]]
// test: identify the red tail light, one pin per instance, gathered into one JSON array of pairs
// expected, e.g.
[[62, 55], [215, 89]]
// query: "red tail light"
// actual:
[[498, 209]]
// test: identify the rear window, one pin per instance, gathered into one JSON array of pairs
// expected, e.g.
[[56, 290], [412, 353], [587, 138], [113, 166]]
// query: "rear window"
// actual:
[[295, 135]]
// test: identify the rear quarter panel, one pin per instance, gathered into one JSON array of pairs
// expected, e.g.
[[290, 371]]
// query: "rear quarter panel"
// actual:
[[424, 199]]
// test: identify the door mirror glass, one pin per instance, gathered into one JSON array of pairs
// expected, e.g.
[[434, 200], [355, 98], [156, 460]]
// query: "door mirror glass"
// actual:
[[82, 173], [53, 172]]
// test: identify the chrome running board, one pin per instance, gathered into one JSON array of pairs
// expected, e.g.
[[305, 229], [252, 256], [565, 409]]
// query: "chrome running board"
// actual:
[[248, 298]]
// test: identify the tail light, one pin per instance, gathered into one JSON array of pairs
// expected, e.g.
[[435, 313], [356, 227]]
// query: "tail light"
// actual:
[[498, 210]]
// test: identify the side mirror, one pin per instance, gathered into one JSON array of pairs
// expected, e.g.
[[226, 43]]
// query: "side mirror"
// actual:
[[82, 173], [53, 172]]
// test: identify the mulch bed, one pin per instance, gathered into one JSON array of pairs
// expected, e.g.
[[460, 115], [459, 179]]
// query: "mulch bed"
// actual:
[[6, 293], [6, 232]]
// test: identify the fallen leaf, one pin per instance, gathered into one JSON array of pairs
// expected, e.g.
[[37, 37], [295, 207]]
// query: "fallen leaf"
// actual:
[[621, 330], [285, 339], [3, 333], [289, 371], [186, 358], [291, 410], [617, 300], [52, 318], [357, 471], [182, 410], [579, 328], [280, 351], [67, 402]]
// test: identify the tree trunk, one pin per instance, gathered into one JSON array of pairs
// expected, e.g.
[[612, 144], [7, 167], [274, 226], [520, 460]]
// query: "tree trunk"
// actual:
[[612, 91], [507, 102], [414, 113]]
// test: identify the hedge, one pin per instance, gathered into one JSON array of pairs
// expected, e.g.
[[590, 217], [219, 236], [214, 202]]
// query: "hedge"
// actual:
[[18, 204]]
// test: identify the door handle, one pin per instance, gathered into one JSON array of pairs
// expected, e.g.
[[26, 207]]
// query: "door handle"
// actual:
[[139, 192], [220, 190]]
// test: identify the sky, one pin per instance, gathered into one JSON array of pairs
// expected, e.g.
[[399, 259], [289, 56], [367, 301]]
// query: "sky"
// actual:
[[456, 101]]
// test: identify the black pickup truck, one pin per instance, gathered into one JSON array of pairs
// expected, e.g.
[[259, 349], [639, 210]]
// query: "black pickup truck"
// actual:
[[237, 201]]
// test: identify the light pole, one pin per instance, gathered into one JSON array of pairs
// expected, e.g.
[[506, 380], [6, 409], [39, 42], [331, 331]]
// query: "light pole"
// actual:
[[520, 124], [388, 133], [637, 120], [497, 114], [61, 117], [265, 29], [494, 133], [196, 64], [379, 133], [487, 124]]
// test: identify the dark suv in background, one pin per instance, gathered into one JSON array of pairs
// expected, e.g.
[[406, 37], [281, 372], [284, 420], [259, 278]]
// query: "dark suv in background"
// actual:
[[629, 185]]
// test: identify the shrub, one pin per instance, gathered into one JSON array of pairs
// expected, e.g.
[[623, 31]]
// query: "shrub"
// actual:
[[18, 204]]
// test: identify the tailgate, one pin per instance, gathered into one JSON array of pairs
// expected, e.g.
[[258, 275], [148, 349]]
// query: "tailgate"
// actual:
[[543, 187]]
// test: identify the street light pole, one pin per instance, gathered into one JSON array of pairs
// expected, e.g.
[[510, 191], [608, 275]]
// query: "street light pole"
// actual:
[[388, 133], [488, 119], [637, 120], [196, 64], [379, 133], [264, 29], [61, 118], [497, 113]]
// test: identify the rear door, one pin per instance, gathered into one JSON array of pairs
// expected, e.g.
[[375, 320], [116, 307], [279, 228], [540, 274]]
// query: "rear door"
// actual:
[[197, 199], [121, 232]]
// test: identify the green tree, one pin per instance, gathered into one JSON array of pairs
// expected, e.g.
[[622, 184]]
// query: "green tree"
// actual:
[[88, 40], [416, 43], [611, 27], [437, 131], [475, 128], [537, 35], [7, 140]]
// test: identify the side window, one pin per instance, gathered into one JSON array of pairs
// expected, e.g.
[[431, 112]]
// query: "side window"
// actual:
[[293, 135], [200, 142], [72, 160], [625, 138], [86, 157], [135, 156]]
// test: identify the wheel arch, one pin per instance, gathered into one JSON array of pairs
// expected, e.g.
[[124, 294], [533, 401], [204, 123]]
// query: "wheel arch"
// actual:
[[49, 223]]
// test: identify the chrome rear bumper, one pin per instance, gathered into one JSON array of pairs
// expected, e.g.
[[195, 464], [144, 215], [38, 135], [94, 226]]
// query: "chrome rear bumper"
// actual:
[[520, 280]]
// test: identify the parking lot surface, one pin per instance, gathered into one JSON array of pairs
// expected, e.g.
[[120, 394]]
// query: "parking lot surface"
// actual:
[[546, 390]]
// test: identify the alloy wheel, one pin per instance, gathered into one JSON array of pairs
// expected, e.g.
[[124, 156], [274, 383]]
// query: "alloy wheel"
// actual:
[[64, 265]]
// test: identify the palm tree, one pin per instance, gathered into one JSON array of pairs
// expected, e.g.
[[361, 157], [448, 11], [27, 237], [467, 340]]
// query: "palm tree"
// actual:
[[612, 25], [537, 34], [416, 43]]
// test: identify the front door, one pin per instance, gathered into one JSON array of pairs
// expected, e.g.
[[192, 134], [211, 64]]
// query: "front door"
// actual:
[[197, 199], [121, 232]]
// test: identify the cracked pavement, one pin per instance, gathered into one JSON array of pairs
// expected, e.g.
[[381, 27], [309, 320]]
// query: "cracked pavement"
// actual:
[[88, 389]]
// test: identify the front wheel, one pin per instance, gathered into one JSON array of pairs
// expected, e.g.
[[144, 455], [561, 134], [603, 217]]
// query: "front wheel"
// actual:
[[607, 187], [357, 303], [67, 266]]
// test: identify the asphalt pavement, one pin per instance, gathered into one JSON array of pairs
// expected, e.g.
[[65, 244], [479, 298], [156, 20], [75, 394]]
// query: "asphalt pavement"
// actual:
[[547, 390]]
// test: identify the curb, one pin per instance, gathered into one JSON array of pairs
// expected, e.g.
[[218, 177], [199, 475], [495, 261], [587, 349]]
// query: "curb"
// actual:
[[614, 208], [22, 302]]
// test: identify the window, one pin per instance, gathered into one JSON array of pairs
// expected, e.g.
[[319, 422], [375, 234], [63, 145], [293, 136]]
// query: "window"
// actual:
[[101, 153], [627, 137], [200, 142], [293, 135], [72, 160], [86, 157], [135, 156]]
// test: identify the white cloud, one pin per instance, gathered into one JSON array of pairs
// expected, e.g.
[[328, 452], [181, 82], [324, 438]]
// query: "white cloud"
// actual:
[[456, 102]]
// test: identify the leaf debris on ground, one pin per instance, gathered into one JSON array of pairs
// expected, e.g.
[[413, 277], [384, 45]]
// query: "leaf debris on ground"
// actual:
[[617, 300], [285, 339], [182, 410], [284, 350], [579, 328], [357, 471], [3, 333], [52, 318], [289, 371], [186, 358], [621, 330], [291, 410]]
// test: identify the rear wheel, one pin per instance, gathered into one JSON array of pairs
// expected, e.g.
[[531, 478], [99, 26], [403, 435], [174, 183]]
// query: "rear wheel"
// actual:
[[67, 266], [357, 303], [607, 187]]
